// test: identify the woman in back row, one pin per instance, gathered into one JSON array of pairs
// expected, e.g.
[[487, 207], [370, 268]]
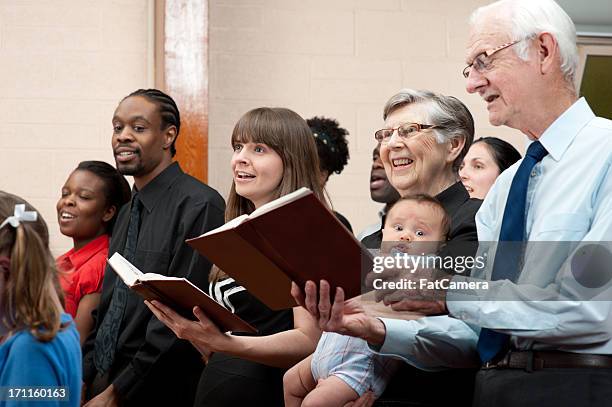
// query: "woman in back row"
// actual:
[[485, 161]]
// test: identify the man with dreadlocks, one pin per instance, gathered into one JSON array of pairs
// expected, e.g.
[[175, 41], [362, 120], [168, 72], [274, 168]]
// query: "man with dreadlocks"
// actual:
[[131, 358]]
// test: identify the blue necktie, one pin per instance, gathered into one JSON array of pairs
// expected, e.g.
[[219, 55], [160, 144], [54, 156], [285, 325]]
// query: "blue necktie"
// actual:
[[108, 333], [508, 258]]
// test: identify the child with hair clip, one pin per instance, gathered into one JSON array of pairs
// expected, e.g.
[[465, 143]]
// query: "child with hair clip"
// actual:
[[343, 368], [39, 346]]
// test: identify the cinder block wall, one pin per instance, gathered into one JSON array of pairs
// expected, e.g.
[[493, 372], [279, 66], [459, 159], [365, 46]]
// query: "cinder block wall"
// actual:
[[342, 59], [65, 65]]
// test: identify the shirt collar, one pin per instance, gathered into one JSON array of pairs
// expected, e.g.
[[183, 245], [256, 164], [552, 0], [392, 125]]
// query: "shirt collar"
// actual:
[[157, 188], [560, 134], [79, 257]]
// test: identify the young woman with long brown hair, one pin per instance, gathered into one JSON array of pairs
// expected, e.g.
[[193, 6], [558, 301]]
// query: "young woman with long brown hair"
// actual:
[[274, 154]]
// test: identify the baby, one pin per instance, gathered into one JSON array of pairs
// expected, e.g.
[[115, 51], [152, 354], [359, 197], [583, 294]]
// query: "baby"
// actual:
[[343, 368]]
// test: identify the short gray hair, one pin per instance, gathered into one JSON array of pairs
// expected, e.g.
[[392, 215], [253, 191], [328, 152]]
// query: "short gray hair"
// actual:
[[448, 112], [529, 18]]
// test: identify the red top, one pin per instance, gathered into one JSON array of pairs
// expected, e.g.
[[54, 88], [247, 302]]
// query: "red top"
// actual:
[[82, 271]]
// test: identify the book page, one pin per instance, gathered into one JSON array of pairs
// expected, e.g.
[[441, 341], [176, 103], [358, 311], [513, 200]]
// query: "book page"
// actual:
[[124, 269], [229, 225], [260, 211], [130, 274], [157, 277], [283, 200], [178, 293]]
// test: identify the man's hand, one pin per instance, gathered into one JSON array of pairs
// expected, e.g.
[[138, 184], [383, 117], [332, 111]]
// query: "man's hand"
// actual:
[[421, 290], [343, 317], [108, 398], [421, 307]]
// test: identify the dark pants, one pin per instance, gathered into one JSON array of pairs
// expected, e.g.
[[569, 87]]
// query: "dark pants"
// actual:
[[413, 387], [172, 382], [231, 381], [542, 388]]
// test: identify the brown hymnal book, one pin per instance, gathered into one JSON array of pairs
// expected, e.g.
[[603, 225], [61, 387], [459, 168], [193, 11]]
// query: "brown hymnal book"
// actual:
[[178, 293], [293, 238]]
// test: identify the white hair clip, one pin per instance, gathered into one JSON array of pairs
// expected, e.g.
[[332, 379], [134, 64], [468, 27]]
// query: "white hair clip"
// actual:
[[20, 215]]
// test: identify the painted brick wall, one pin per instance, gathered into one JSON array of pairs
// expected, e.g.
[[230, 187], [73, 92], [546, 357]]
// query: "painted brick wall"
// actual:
[[65, 65], [341, 59]]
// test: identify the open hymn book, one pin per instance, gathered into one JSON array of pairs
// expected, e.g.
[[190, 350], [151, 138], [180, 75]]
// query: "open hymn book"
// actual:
[[178, 293], [293, 238]]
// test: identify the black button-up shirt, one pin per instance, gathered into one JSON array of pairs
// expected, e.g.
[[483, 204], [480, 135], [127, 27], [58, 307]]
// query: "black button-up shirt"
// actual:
[[149, 356]]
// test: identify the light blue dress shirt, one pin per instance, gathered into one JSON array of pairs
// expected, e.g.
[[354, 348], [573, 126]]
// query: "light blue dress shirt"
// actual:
[[569, 200]]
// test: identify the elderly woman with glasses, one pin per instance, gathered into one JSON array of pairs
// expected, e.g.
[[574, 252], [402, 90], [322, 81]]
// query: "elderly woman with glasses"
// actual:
[[422, 145]]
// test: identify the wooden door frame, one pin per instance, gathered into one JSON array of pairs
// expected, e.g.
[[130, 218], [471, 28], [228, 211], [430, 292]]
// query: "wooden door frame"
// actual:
[[181, 70]]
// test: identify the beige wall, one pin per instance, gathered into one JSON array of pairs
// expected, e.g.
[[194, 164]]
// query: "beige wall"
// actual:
[[64, 65], [340, 58]]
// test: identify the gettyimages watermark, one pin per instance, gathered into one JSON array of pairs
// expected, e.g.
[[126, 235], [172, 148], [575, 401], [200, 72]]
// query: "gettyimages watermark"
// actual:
[[535, 271], [404, 261]]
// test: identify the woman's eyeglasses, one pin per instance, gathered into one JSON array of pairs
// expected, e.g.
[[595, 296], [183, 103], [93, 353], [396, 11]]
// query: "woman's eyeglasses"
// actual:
[[405, 131]]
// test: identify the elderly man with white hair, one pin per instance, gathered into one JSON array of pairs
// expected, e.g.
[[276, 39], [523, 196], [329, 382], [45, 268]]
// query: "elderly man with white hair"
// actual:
[[546, 318], [554, 347], [545, 336]]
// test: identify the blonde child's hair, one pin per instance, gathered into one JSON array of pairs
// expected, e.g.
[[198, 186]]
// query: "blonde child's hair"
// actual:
[[32, 296]]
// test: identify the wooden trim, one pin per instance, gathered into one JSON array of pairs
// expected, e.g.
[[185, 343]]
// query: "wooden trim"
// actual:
[[182, 71], [589, 40], [159, 75], [585, 49]]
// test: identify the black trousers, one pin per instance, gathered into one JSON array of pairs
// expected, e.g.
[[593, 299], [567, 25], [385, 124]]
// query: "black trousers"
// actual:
[[231, 381], [172, 382], [542, 388], [416, 388], [161, 392]]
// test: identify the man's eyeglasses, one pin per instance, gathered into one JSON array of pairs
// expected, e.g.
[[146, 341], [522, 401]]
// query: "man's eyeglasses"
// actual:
[[405, 131], [482, 62]]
